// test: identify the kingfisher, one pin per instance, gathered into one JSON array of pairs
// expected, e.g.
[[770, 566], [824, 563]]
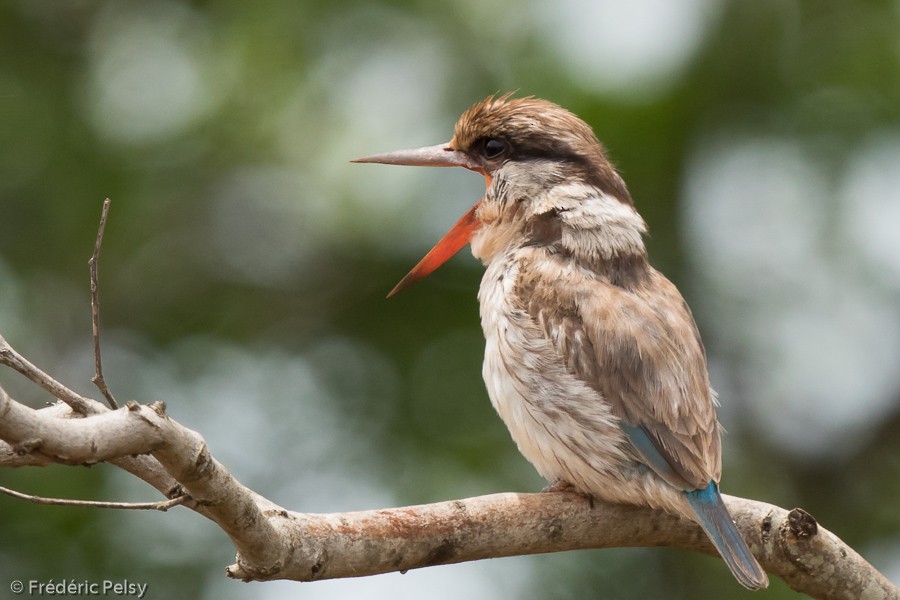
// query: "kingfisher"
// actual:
[[592, 357]]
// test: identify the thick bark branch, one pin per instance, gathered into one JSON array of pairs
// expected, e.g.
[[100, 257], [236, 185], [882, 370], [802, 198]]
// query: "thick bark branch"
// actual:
[[364, 543], [274, 543], [126, 433]]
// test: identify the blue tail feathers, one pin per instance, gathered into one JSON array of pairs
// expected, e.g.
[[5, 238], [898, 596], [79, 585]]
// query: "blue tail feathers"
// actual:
[[713, 517]]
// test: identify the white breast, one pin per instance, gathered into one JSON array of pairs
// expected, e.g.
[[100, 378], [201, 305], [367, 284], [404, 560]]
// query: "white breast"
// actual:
[[563, 427]]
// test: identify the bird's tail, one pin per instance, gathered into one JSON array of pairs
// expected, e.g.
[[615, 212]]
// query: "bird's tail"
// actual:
[[715, 520]]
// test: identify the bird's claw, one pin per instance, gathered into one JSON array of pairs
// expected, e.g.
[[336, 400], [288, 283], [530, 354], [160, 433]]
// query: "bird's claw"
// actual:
[[566, 487]]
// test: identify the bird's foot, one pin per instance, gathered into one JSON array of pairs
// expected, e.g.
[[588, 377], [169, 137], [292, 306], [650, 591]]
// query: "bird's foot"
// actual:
[[564, 486], [560, 486]]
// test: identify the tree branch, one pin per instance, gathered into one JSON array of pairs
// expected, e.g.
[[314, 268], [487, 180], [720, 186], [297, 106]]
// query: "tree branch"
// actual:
[[274, 543], [365, 543]]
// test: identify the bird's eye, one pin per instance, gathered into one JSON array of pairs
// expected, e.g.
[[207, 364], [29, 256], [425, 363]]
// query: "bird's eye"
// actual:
[[493, 148]]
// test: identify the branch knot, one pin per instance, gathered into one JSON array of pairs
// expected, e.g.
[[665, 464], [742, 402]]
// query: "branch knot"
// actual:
[[802, 524]]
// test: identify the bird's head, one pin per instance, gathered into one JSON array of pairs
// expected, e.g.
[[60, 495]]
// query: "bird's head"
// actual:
[[548, 182]]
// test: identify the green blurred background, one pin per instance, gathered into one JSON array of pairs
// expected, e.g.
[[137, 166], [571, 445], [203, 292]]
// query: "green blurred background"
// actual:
[[246, 260]]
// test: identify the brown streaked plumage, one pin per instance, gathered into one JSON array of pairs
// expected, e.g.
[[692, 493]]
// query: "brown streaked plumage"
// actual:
[[592, 357], [569, 137], [636, 368]]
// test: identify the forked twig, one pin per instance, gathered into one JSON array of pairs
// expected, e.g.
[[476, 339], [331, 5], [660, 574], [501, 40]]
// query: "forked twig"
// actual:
[[162, 505], [94, 264]]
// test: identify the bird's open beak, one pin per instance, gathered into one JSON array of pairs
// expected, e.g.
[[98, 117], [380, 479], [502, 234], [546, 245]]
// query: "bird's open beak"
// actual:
[[442, 155]]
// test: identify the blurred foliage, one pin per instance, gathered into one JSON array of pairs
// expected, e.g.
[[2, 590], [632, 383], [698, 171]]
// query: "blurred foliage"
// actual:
[[246, 261]]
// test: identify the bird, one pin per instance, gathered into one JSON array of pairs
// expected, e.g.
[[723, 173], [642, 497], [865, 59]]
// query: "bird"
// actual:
[[592, 359]]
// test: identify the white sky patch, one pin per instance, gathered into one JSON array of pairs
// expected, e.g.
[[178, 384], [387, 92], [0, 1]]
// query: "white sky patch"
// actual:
[[634, 49], [378, 98], [147, 78], [830, 370], [750, 211], [817, 342], [870, 200]]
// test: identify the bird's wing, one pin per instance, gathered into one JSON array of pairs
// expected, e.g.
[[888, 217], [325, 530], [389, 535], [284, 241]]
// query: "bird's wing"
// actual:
[[640, 349]]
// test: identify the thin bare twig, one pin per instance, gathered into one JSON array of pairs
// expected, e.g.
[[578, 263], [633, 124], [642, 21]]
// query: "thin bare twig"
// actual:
[[94, 265], [161, 505]]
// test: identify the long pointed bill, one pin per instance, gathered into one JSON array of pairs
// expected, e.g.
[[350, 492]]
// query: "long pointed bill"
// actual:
[[441, 155], [452, 242]]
